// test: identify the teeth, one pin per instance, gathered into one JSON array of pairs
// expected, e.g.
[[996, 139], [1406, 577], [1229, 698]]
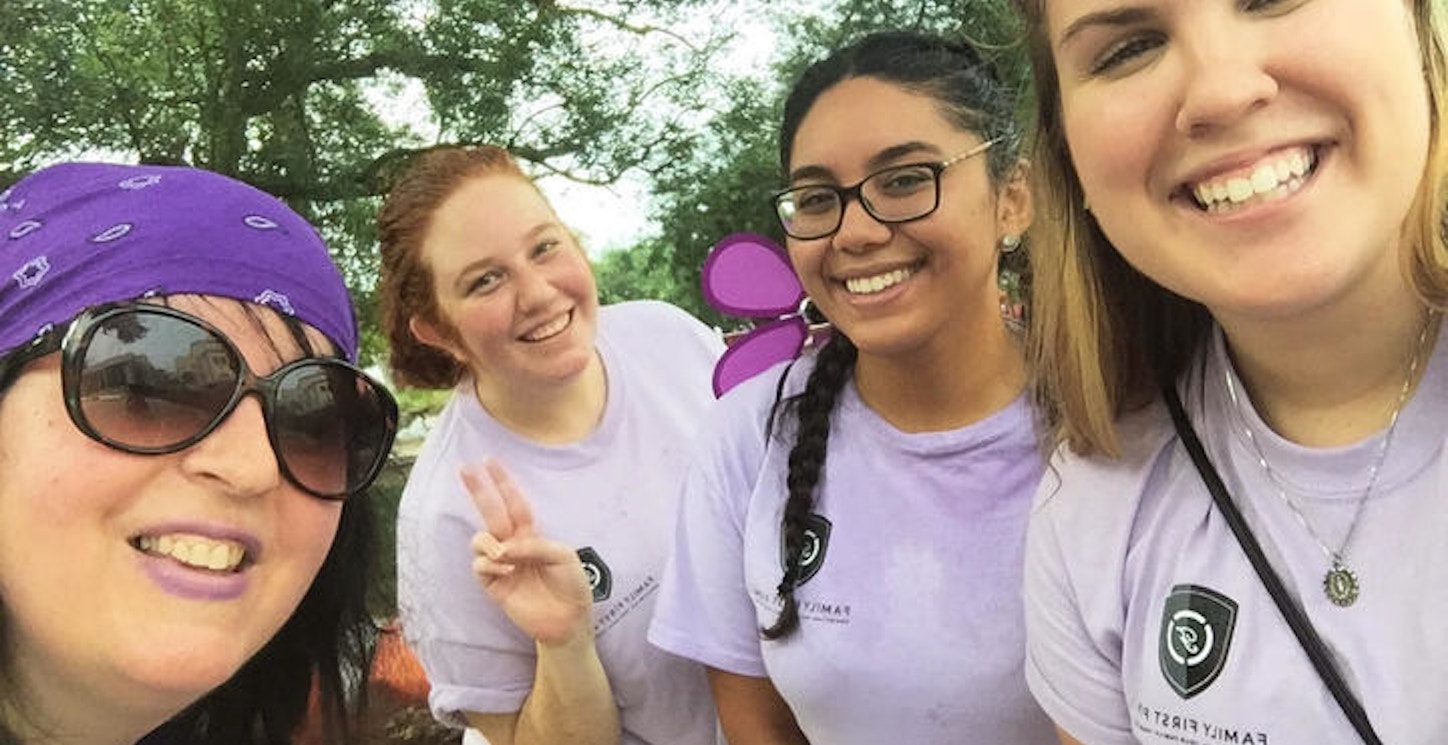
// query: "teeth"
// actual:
[[871, 285], [552, 329], [1269, 181], [1239, 189], [196, 551]]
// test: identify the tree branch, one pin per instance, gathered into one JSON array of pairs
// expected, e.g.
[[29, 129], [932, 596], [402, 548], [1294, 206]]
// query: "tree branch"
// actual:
[[269, 94], [619, 23]]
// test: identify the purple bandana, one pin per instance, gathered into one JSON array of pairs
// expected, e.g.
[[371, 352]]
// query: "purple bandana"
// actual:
[[76, 235]]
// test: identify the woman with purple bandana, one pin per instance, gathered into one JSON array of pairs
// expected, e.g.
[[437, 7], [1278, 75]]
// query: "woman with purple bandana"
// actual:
[[183, 448]]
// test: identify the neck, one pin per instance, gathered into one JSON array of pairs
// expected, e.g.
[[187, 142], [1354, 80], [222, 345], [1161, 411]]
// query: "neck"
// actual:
[[55, 710], [1335, 377], [548, 413], [955, 380]]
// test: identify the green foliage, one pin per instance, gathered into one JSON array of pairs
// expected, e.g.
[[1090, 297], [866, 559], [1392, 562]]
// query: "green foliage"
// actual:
[[725, 190], [289, 95], [413, 402]]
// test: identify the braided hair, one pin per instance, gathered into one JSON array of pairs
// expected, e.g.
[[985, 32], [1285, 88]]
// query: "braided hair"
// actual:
[[970, 95]]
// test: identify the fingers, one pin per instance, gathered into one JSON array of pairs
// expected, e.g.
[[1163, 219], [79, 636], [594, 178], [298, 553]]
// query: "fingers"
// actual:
[[485, 544], [519, 511], [488, 557], [537, 550], [521, 550], [494, 559], [501, 503], [487, 499]]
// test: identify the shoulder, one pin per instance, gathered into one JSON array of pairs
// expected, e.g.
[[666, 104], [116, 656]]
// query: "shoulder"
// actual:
[[649, 314], [767, 390], [1089, 504], [654, 329], [747, 416]]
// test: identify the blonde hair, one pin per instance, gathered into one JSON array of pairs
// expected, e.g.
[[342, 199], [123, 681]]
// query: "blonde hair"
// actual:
[[1103, 334]]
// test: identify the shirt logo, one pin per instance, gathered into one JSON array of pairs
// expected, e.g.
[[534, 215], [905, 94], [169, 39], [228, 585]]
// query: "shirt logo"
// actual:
[[816, 542], [1196, 633], [600, 579]]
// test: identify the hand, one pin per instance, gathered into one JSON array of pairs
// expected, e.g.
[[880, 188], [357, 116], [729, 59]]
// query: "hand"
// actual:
[[539, 583]]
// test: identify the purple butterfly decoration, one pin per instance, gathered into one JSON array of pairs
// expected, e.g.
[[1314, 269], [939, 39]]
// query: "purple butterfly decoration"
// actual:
[[748, 275]]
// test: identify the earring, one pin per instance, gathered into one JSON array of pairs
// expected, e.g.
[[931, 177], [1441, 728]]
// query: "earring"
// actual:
[[1010, 242]]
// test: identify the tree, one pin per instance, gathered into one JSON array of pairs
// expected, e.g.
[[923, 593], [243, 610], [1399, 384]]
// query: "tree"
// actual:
[[284, 94]]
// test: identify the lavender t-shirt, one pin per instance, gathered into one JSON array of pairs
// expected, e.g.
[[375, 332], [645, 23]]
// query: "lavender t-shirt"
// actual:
[[1148, 625], [612, 495], [910, 618]]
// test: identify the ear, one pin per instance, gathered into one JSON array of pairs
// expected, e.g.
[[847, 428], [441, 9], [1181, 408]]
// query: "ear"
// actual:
[[1014, 205], [430, 335]]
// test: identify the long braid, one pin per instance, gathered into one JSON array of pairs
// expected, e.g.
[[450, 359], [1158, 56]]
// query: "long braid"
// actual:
[[972, 98], [813, 408]]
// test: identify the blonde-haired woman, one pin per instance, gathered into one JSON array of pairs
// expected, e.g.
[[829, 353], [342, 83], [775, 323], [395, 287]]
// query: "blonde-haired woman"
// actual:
[[1236, 329]]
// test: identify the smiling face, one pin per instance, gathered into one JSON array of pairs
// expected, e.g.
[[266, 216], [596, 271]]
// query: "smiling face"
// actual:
[[894, 289], [1258, 158], [517, 298], [105, 580]]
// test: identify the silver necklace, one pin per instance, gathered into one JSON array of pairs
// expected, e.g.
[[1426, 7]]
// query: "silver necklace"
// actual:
[[1340, 583]]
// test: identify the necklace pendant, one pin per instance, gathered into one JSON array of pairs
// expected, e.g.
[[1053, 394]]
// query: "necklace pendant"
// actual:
[[1340, 584]]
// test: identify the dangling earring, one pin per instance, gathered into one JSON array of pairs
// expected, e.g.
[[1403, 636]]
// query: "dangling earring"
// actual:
[[1010, 242]]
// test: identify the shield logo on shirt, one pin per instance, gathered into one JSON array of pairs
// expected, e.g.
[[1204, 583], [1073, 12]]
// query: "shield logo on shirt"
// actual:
[[816, 541], [1196, 633], [600, 579]]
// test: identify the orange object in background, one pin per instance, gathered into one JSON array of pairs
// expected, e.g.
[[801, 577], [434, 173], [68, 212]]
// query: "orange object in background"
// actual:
[[396, 673], [396, 684]]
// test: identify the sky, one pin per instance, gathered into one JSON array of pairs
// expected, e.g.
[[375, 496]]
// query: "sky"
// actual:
[[616, 216]]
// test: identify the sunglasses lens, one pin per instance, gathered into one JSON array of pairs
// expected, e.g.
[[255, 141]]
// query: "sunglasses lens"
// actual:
[[150, 381], [332, 427], [154, 382]]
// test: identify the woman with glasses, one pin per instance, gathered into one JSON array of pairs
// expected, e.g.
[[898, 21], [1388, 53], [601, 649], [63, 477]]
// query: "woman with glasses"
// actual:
[[527, 593], [184, 445], [848, 560], [1240, 344]]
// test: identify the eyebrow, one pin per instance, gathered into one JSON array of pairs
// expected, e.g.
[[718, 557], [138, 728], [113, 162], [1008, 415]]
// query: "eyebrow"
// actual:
[[877, 161], [1117, 17], [461, 282]]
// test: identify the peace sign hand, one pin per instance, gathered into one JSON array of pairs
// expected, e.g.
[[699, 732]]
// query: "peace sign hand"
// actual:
[[539, 583]]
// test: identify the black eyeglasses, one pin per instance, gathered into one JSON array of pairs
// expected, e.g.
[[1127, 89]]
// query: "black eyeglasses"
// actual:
[[149, 379], [891, 195]]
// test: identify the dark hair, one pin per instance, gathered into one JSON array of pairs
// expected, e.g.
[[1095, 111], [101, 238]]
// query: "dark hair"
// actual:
[[967, 88], [327, 643], [407, 287], [970, 95]]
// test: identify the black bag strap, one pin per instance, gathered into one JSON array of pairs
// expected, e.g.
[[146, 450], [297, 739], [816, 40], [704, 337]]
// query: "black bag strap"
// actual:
[[1291, 611]]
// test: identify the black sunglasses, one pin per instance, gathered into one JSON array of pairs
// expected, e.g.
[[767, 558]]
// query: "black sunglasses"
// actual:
[[149, 379]]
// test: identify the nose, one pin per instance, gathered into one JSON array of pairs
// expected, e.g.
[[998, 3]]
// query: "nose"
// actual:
[[237, 456], [532, 289], [1225, 74], [859, 230]]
